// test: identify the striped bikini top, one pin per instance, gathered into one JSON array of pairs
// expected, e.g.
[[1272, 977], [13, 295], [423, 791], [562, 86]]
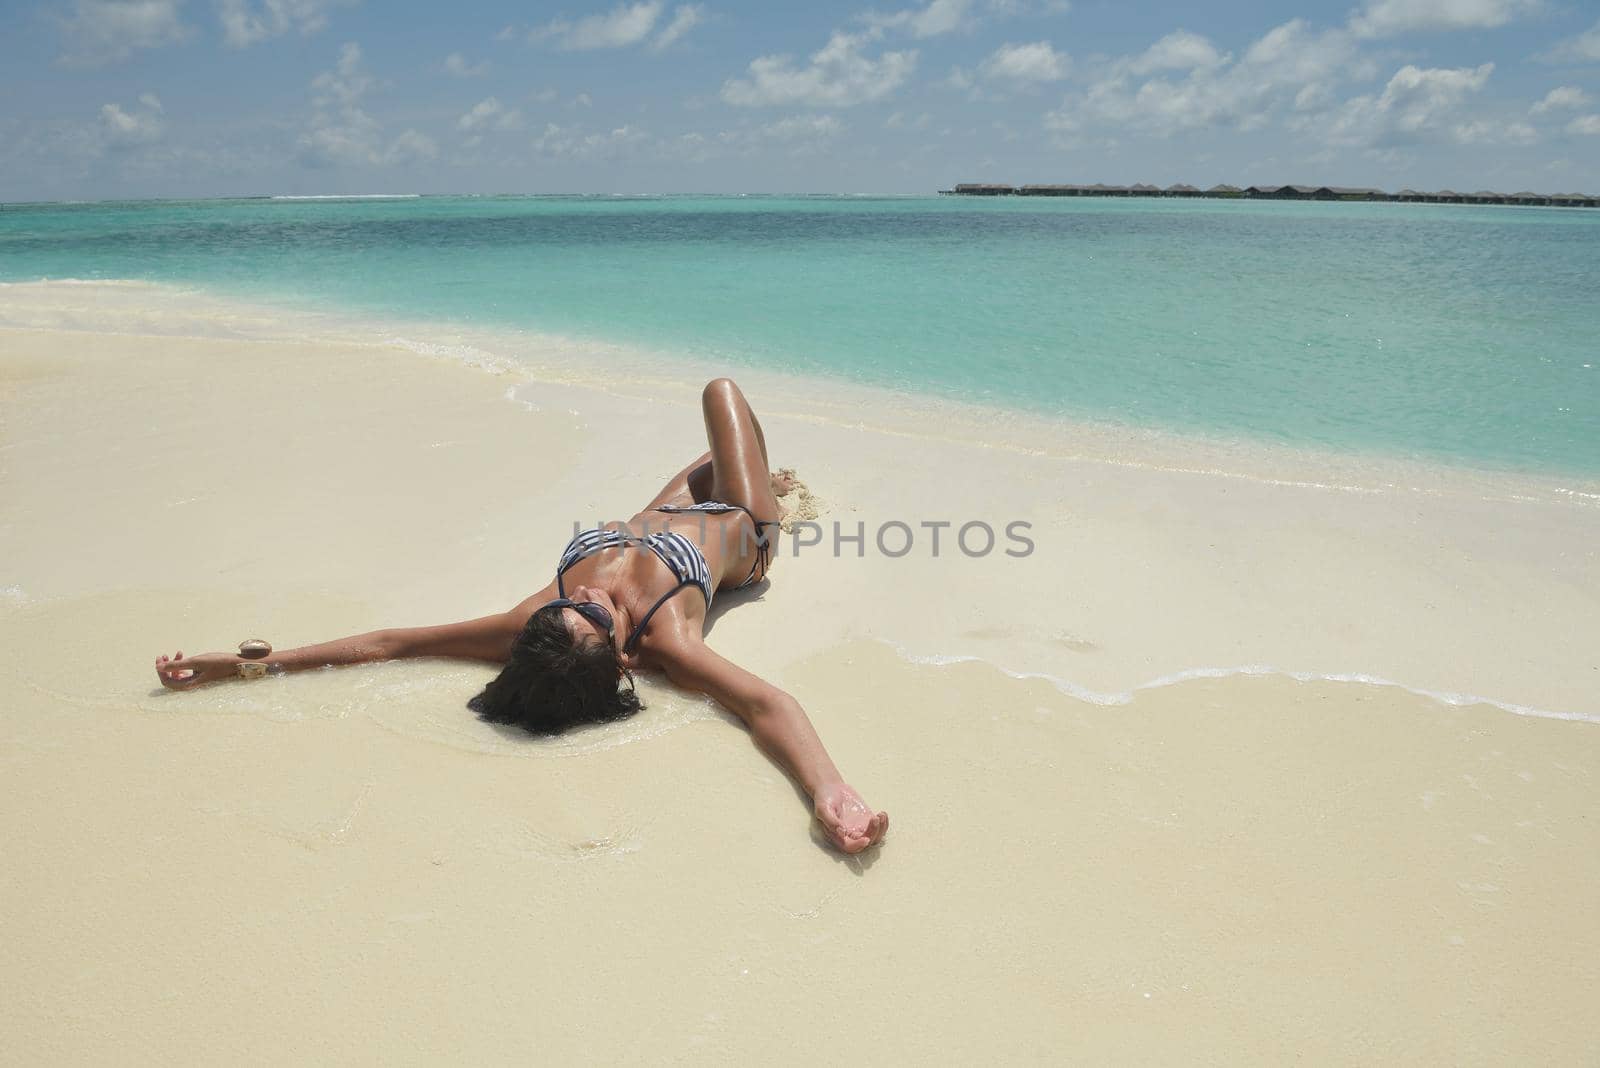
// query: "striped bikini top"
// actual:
[[682, 557]]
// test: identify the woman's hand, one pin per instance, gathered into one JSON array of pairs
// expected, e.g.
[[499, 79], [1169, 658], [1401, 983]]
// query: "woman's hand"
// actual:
[[179, 673], [850, 822]]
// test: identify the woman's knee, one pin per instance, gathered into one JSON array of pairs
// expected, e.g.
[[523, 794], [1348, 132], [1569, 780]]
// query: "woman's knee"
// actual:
[[720, 392]]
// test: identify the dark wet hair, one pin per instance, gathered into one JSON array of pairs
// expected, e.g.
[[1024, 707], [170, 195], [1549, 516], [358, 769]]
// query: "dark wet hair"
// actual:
[[553, 682]]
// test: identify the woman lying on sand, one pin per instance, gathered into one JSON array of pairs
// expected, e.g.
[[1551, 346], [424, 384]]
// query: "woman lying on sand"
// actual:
[[617, 604]]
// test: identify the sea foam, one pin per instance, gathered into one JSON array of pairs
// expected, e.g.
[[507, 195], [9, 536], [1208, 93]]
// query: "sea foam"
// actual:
[[1123, 697]]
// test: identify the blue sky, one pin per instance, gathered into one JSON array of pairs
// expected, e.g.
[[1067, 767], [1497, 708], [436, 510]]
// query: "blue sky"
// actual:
[[140, 98]]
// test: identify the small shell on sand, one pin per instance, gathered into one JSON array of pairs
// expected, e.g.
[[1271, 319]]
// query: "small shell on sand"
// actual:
[[255, 649]]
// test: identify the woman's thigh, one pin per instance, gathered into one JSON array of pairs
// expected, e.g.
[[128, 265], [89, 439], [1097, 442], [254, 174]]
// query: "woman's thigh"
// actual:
[[739, 463]]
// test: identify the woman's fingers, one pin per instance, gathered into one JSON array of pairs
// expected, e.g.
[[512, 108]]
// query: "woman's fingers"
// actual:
[[175, 679], [854, 839], [853, 836], [838, 833], [851, 825], [174, 673], [842, 839]]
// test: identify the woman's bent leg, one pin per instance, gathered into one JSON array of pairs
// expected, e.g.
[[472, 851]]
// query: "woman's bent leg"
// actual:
[[739, 463]]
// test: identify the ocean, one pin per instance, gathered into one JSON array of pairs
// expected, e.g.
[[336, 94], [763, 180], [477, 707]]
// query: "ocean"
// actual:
[[1450, 334]]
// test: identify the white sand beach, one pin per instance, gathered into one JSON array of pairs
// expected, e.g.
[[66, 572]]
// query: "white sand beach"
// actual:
[[1254, 757]]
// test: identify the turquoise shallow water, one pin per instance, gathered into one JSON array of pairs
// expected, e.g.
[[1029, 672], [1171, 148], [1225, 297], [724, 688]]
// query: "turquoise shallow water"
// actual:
[[1464, 334]]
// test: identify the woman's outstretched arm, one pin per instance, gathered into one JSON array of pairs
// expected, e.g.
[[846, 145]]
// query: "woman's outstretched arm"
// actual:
[[783, 730], [486, 638]]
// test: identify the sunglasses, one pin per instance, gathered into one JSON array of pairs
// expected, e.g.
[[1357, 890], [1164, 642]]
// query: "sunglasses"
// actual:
[[591, 611]]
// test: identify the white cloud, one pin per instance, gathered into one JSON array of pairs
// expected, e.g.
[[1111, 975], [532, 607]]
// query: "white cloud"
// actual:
[[1492, 132], [1289, 66], [1583, 48], [138, 126], [350, 138], [837, 75], [959, 79], [1417, 105], [1588, 125], [456, 63], [1012, 8], [931, 20], [1567, 97], [489, 114], [802, 128], [100, 31], [684, 18], [795, 135], [568, 142], [1294, 54], [1386, 18], [1036, 62], [1179, 50], [798, 135], [341, 131], [479, 114], [347, 83], [691, 146], [410, 146], [625, 25], [1313, 98], [901, 121], [244, 25]]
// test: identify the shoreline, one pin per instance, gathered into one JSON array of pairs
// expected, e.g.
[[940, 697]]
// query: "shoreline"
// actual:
[[529, 357]]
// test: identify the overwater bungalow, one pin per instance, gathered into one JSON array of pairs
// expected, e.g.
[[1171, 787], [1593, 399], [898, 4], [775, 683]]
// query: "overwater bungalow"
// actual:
[[1278, 192], [1291, 192], [1347, 193], [1057, 191]]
